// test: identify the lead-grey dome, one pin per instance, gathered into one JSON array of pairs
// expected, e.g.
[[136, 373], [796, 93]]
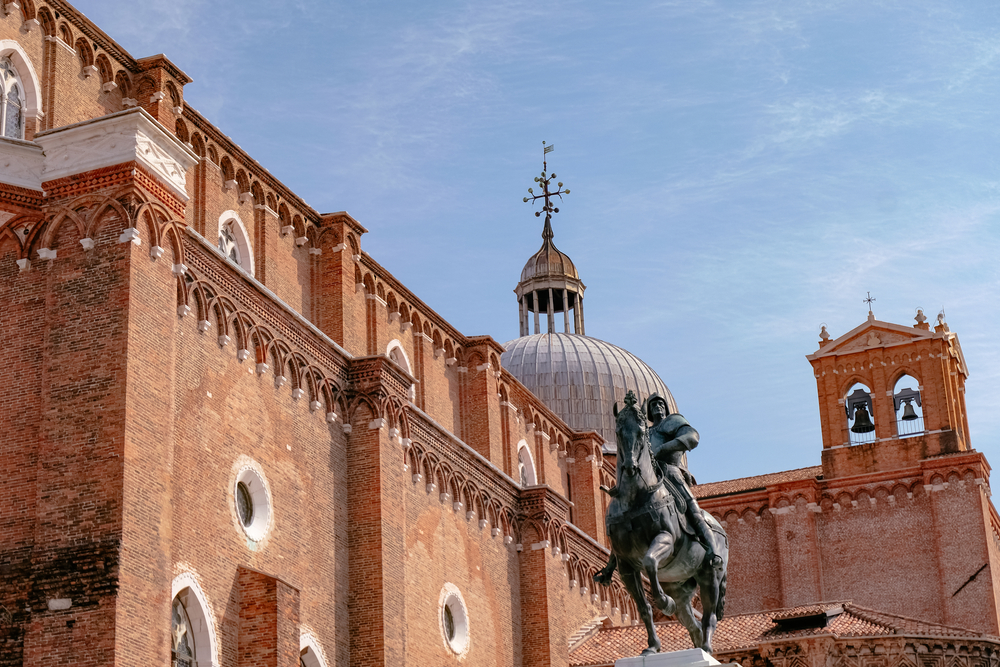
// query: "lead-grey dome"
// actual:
[[579, 378]]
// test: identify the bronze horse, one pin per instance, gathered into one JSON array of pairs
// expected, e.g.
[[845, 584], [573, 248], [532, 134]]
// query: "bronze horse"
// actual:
[[646, 530]]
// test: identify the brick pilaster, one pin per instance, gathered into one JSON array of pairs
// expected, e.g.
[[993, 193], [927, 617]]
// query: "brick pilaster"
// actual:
[[481, 401], [376, 504], [585, 481], [542, 574], [269, 621]]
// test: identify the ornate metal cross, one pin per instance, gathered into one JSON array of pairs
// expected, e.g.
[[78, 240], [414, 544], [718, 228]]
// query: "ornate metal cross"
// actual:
[[869, 301], [546, 192]]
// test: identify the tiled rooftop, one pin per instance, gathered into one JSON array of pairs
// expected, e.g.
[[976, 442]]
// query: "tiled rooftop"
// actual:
[[728, 486], [746, 631]]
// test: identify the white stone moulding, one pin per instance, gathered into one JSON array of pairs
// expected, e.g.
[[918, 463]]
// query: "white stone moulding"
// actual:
[[89, 71], [21, 163], [87, 243], [126, 136], [692, 657], [156, 252], [301, 241], [109, 86]]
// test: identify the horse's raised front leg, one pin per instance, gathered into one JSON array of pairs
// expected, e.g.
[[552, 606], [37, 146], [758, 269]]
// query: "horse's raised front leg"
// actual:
[[603, 577], [633, 582], [660, 549]]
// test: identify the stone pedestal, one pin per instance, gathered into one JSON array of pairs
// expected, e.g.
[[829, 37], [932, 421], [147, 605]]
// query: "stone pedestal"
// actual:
[[692, 657]]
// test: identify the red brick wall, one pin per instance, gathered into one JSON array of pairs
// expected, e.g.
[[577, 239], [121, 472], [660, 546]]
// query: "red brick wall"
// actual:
[[904, 545], [442, 545], [304, 462], [75, 443]]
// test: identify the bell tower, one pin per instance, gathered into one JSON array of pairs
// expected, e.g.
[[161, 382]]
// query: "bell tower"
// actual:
[[890, 396]]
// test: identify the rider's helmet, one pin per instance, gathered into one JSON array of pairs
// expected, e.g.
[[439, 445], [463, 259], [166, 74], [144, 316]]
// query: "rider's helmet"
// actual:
[[655, 398]]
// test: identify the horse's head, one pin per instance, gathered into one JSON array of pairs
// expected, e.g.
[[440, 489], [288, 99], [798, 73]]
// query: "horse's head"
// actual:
[[630, 432]]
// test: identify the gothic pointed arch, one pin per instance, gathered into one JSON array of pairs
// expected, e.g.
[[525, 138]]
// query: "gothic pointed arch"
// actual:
[[193, 634]]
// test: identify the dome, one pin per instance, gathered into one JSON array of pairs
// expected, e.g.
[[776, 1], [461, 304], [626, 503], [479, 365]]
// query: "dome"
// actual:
[[549, 261], [579, 378]]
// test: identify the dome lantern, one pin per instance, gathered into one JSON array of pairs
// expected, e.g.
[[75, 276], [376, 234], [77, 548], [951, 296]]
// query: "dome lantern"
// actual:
[[549, 281]]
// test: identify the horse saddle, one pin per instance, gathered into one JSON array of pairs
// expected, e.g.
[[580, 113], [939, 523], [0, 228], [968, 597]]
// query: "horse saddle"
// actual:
[[680, 502], [663, 499]]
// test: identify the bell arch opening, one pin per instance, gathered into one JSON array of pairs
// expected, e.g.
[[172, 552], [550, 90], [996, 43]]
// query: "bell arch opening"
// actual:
[[908, 407], [860, 414]]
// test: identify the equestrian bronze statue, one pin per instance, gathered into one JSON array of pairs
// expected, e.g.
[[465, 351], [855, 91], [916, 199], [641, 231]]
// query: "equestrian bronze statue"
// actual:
[[656, 528]]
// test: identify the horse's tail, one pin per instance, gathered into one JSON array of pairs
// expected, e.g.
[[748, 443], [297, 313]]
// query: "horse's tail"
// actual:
[[720, 606]]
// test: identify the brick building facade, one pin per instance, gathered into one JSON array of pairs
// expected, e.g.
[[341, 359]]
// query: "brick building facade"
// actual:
[[232, 437]]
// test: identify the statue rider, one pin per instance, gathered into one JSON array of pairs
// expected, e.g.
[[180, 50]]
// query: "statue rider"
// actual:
[[670, 437]]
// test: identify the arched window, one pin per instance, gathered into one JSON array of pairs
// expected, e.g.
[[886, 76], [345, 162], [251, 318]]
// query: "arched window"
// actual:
[[525, 465], [396, 352], [310, 654], [909, 411], [234, 242], [182, 653], [12, 104], [192, 631], [860, 414]]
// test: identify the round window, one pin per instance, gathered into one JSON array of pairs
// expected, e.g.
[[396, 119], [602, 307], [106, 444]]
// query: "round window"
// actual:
[[454, 620], [244, 504], [252, 502]]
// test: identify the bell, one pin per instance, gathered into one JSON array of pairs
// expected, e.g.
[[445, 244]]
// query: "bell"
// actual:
[[908, 413], [862, 422]]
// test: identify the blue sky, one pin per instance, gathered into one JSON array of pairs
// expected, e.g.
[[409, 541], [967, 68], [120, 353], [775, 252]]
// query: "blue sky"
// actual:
[[741, 172]]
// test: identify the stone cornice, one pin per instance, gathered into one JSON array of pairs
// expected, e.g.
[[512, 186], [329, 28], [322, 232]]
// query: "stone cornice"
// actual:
[[21, 163], [127, 136]]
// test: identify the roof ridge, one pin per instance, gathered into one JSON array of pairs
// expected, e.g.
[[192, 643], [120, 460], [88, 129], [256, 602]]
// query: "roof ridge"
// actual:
[[873, 616], [764, 474]]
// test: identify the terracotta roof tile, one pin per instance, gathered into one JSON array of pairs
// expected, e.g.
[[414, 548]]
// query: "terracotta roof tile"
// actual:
[[745, 631], [728, 486]]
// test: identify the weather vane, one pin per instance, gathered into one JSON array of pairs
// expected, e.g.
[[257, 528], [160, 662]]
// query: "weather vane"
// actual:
[[869, 301], [546, 193]]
